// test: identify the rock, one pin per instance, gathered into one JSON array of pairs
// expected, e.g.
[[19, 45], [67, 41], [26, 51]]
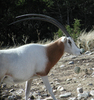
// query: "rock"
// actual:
[[18, 97], [71, 62], [54, 91], [90, 53], [5, 95], [83, 95], [79, 90], [57, 83], [19, 91], [32, 97], [77, 70], [90, 84], [82, 50], [73, 57], [79, 84], [11, 90], [78, 61], [87, 52], [92, 92], [87, 64], [65, 95], [48, 98], [60, 88], [92, 73], [45, 95], [62, 66], [69, 79], [72, 98], [3, 85], [86, 71], [92, 99], [11, 97]]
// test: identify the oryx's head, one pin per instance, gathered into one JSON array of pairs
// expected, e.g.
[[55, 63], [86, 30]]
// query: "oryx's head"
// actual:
[[70, 46]]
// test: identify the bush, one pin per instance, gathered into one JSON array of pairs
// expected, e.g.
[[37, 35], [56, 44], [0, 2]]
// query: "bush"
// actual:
[[74, 31], [86, 40]]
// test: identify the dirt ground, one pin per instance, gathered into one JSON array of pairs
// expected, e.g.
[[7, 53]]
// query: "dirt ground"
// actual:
[[59, 77]]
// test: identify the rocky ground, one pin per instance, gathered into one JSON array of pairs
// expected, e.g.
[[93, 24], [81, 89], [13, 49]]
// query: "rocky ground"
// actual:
[[66, 84]]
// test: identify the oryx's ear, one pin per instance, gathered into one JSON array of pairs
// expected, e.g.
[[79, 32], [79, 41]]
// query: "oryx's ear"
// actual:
[[64, 39]]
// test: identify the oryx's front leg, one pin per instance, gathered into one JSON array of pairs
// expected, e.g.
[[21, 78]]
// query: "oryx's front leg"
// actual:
[[46, 82], [27, 88]]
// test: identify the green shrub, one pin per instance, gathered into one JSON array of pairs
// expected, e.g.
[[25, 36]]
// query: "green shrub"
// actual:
[[74, 31]]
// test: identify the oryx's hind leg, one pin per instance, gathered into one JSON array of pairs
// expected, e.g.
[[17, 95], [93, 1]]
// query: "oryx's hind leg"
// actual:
[[27, 88], [46, 82]]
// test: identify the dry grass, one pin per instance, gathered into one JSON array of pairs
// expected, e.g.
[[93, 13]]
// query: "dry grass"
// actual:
[[86, 40]]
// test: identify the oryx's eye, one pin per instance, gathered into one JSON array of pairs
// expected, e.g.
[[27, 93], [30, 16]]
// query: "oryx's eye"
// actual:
[[69, 42]]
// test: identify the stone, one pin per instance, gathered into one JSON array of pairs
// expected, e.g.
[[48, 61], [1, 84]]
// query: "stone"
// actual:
[[65, 95], [54, 91], [82, 50], [72, 98], [92, 92], [73, 57], [69, 79], [62, 66], [32, 97], [87, 64], [11, 97], [71, 62], [19, 91], [90, 84], [45, 95], [84, 95], [77, 70], [86, 71], [60, 88], [5, 95], [93, 69], [92, 73], [92, 99], [57, 83], [11, 90], [87, 52], [18, 97], [3, 85], [79, 90], [48, 98]]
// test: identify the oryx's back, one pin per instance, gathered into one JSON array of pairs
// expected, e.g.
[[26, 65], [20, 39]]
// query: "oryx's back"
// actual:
[[23, 62]]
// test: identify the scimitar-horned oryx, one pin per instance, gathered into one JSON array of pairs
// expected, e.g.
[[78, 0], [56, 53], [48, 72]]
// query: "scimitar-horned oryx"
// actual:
[[29, 61]]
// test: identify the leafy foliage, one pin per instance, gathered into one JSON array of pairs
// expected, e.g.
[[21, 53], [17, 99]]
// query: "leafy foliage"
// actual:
[[75, 31]]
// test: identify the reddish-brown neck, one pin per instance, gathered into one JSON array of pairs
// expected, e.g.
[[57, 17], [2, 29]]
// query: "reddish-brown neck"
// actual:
[[54, 52]]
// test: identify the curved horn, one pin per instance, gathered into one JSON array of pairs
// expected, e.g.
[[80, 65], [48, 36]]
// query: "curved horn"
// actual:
[[44, 18]]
